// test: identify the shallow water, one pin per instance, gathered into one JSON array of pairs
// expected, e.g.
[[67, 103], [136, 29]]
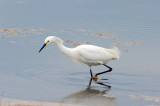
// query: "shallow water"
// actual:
[[52, 77]]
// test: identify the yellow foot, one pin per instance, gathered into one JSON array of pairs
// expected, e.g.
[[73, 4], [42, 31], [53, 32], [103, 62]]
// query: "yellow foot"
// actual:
[[95, 78]]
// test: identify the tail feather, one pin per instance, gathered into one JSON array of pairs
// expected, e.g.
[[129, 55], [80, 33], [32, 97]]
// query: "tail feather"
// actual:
[[116, 52]]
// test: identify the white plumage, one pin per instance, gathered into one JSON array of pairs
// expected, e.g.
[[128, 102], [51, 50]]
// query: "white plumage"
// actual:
[[94, 55], [86, 54]]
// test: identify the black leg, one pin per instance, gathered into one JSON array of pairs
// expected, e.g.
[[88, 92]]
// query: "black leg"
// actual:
[[110, 69], [91, 73], [90, 82]]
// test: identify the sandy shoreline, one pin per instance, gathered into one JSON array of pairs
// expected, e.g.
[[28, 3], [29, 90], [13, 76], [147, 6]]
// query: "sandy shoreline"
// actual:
[[16, 102]]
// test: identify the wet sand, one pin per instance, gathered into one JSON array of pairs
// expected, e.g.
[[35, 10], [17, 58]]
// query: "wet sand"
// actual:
[[14, 102]]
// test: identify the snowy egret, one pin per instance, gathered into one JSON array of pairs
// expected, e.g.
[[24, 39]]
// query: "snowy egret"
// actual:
[[87, 54]]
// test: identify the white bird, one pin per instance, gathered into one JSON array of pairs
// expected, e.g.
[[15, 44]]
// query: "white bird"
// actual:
[[87, 54]]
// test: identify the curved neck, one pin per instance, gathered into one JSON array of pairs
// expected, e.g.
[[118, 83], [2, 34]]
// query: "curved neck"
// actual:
[[65, 50]]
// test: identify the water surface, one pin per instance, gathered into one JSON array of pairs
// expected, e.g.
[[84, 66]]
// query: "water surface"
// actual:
[[51, 77]]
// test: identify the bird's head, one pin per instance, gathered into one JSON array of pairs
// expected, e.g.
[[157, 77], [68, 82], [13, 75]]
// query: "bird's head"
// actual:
[[50, 39]]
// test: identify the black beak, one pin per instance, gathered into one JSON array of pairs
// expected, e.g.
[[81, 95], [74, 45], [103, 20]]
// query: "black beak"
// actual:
[[42, 47]]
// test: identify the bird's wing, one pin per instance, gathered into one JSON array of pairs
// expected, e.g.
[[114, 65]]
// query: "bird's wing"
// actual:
[[94, 53]]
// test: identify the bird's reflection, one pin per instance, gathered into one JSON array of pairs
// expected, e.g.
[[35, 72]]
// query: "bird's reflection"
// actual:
[[92, 96]]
